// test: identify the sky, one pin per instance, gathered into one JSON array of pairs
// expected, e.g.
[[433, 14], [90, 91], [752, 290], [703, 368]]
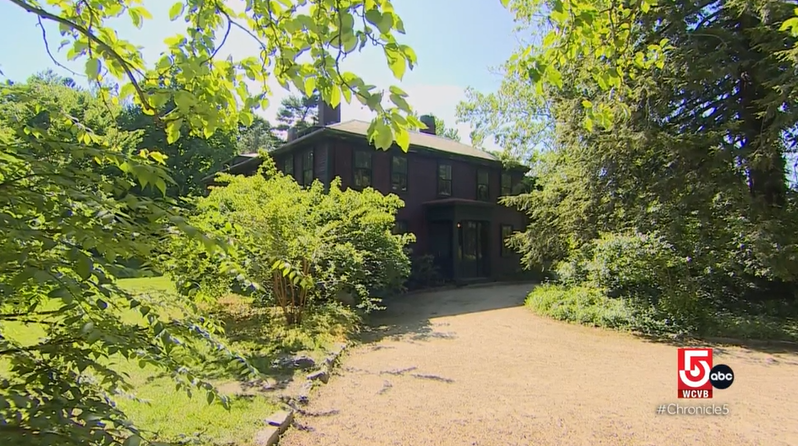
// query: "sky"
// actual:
[[457, 42]]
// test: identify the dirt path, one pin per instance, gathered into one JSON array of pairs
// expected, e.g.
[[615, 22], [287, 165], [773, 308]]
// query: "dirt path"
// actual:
[[473, 367]]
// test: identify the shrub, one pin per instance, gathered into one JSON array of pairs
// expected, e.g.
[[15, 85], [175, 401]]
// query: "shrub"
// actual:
[[644, 272], [289, 245], [581, 304], [424, 273]]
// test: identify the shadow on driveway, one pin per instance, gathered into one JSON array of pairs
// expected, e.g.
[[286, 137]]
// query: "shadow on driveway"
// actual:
[[411, 314]]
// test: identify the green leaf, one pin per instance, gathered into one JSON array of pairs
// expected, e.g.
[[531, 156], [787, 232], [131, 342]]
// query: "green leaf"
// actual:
[[92, 68], [400, 102], [176, 11], [397, 91], [586, 103], [589, 124], [553, 76], [133, 440], [184, 100], [383, 136], [402, 139], [335, 96], [246, 118], [173, 130], [83, 266], [310, 86], [135, 16], [409, 54], [505, 3], [347, 93], [395, 62], [160, 184]]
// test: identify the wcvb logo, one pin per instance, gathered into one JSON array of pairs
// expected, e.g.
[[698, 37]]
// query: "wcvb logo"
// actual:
[[697, 376]]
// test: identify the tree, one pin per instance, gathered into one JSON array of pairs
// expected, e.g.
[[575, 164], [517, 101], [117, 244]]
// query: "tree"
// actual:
[[257, 136], [188, 159], [442, 130], [656, 133], [299, 112], [72, 213]]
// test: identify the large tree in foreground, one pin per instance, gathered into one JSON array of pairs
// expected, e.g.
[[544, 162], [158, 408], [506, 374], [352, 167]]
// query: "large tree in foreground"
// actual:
[[71, 213]]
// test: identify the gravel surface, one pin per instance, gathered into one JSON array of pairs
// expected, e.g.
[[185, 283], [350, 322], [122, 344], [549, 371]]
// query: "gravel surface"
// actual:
[[471, 366]]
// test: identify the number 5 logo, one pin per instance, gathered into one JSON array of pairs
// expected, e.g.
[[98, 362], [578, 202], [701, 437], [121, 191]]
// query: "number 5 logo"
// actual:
[[697, 363]]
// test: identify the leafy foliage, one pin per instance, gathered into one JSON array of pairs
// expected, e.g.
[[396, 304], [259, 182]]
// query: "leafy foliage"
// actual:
[[446, 132], [67, 227], [257, 137], [424, 273], [215, 94], [654, 132], [76, 201], [299, 112], [189, 159], [292, 246]]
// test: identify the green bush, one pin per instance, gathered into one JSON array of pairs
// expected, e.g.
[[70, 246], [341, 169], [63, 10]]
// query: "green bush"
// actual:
[[289, 245], [424, 273], [645, 273], [581, 304]]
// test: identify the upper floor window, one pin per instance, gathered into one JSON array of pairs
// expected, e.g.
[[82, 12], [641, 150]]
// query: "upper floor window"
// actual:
[[445, 179], [307, 168], [507, 184], [483, 185], [288, 165], [399, 173], [362, 170]]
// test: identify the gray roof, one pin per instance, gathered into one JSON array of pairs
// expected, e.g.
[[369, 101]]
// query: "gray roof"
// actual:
[[360, 128], [420, 139]]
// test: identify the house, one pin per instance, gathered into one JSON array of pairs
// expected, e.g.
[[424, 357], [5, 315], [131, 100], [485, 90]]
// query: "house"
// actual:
[[450, 189]]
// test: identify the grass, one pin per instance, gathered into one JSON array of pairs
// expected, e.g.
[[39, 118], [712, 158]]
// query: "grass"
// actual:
[[169, 415]]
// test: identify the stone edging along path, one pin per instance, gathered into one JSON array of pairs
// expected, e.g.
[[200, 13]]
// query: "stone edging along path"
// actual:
[[280, 421]]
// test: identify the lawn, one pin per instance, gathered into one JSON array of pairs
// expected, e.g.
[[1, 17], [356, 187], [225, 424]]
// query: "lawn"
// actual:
[[172, 416]]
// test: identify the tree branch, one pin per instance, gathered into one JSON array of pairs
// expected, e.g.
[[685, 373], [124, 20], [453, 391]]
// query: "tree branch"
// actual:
[[47, 48], [92, 38]]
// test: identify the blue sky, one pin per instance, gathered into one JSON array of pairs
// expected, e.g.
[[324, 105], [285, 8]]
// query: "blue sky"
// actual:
[[456, 43]]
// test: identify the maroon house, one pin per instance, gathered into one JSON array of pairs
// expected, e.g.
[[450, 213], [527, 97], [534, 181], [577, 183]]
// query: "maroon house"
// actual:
[[450, 189]]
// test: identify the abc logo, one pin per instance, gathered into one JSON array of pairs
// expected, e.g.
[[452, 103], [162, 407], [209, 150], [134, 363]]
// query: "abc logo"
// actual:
[[721, 376]]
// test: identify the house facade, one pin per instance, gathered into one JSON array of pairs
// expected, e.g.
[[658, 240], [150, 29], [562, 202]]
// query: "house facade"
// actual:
[[450, 190]]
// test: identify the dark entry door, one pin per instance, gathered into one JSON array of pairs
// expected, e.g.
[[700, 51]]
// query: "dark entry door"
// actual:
[[440, 233], [473, 249]]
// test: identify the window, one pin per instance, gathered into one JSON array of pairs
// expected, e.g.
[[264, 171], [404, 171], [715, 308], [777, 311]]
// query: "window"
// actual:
[[399, 173], [506, 232], [401, 227], [288, 165], [507, 183], [362, 170], [445, 180], [483, 186], [307, 168]]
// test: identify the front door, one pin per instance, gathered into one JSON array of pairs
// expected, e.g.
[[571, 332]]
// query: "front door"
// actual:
[[440, 236], [473, 248]]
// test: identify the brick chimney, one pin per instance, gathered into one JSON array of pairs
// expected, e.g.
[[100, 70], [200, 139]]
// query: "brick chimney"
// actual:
[[328, 115], [429, 120]]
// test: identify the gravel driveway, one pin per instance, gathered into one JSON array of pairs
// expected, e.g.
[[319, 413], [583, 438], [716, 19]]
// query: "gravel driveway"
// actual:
[[471, 366]]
